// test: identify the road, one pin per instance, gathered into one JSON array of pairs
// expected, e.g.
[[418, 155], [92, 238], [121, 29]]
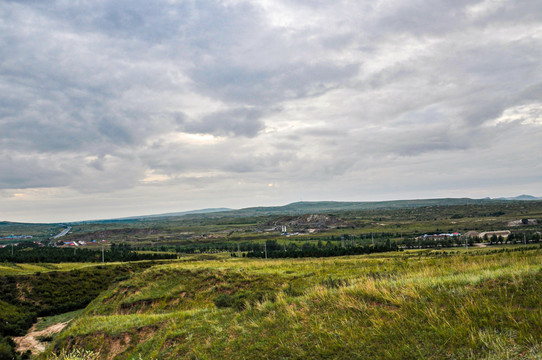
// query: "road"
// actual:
[[63, 232]]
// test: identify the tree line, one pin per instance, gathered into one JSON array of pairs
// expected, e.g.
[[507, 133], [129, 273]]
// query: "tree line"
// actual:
[[274, 250], [60, 255]]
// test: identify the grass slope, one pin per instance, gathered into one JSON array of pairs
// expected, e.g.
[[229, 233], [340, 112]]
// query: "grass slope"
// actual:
[[38, 231], [480, 304]]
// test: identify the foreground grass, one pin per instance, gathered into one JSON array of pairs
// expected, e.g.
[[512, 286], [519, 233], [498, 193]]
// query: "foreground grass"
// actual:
[[480, 304]]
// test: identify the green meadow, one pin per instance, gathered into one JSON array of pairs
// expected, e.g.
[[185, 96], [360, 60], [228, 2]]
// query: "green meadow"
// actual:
[[430, 304], [28, 269]]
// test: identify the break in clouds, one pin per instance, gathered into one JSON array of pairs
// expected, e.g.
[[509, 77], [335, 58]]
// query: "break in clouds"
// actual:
[[189, 104]]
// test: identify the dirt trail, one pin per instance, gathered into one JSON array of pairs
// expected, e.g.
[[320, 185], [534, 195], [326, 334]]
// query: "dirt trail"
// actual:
[[31, 340]]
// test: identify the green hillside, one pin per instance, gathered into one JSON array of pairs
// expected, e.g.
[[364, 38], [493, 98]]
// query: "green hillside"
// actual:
[[480, 304], [305, 207], [37, 231]]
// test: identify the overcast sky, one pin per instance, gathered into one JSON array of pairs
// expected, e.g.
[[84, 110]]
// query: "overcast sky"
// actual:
[[131, 107]]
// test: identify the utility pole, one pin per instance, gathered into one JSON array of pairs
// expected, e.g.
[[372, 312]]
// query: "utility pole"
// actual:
[[466, 242], [238, 250], [103, 254], [12, 249], [373, 239], [524, 239], [265, 249]]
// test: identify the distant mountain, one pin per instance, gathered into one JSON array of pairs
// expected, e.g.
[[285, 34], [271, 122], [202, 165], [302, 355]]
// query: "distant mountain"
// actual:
[[310, 207], [307, 207], [521, 198], [176, 214], [299, 208]]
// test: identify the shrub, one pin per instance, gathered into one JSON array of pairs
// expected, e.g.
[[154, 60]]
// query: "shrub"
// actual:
[[223, 301], [240, 299], [332, 283], [7, 349]]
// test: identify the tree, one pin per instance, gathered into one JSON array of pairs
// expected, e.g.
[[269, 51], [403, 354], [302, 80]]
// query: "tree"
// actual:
[[494, 239], [7, 349]]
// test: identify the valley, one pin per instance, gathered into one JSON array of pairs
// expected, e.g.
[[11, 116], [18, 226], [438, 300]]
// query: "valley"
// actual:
[[429, 281]]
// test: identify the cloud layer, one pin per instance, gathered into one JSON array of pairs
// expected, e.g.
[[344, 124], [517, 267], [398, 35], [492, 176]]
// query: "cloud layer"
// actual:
[[173, 105]]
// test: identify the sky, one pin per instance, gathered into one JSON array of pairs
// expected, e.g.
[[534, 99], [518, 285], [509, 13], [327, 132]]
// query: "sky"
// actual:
[[121, 108]]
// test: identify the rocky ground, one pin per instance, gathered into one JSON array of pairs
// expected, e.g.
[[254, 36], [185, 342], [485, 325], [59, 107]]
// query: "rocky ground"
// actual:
[[37, 341]]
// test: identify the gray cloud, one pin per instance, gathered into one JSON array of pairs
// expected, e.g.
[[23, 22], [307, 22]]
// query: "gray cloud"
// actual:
[[26, 172], [234, 122], [320, 99], [267, 86]]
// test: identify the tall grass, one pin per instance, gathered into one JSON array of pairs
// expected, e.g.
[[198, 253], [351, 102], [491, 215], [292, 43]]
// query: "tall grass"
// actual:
[[417, 304]]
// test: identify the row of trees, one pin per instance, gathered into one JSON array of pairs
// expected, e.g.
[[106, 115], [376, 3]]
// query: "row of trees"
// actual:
[[272, 249], [448, 241], [351, 247], [514, 238], [59, 255], [429, 242]]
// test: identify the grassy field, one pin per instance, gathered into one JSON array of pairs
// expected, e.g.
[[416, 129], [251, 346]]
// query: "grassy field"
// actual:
[[481, 303], [226, 231], [38, 231], [27, 269], [475, 304]]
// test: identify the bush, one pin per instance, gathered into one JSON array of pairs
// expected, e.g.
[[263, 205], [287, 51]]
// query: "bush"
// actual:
[[7, 349], [240, 299], [223, 301], [332, 283]]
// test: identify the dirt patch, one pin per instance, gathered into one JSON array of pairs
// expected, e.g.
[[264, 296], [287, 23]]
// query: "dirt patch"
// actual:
[[34, 340], [171, 343], [122, 292], [104, 234], [146, 305], [523, 222], [110, 346], [23, 289], [313, 221]]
